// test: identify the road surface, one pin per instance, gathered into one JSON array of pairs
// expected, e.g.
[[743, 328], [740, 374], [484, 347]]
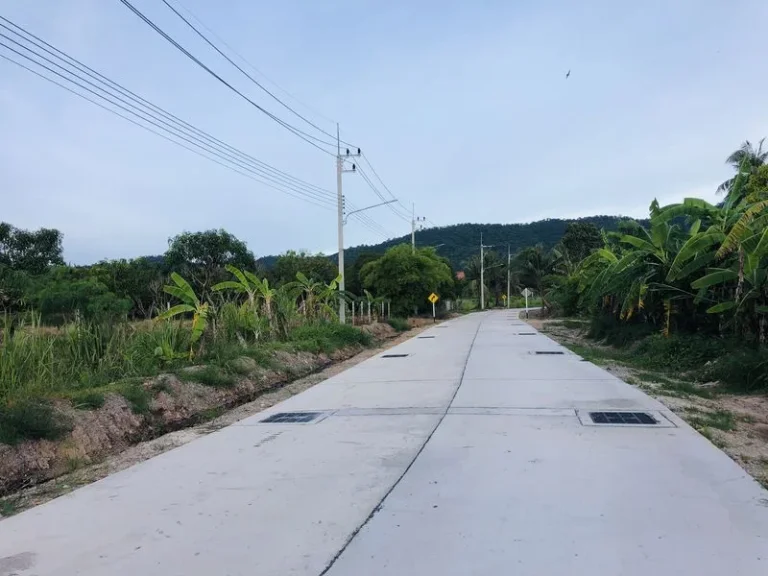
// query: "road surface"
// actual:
[[470, 455]]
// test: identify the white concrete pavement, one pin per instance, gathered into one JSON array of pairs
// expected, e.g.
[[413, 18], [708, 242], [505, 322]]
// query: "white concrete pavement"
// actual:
[[471, 455]]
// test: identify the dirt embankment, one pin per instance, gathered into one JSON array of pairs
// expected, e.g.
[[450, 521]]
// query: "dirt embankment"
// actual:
[[113, 437]]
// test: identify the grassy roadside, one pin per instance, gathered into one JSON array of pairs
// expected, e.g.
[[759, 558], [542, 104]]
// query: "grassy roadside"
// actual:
[[737, 423], [83, 472]]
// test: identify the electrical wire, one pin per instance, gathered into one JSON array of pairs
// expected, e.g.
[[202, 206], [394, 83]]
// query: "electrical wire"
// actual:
[[144, 104], [376, 174], [252, 67], [376, 191], [288, 187], [296, 131], [251, 78], [141, 116], [51, 80]]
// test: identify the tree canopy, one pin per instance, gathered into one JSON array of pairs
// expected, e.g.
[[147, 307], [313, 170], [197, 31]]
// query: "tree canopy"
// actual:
[[407, 278], [202, 256]]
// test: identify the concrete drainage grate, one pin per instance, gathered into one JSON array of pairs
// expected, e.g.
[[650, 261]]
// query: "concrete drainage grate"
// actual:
[[424, 337], [548, 353], [525, 334], [291, 418], [631, 418], [394, 355]]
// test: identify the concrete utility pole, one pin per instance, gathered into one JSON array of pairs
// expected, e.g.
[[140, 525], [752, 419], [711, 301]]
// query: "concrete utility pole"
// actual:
[[482, 274], [509, 259], [340, 197], [414, 221]]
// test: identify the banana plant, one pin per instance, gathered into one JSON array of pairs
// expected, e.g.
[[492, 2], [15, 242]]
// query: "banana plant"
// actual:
[[190, 303]]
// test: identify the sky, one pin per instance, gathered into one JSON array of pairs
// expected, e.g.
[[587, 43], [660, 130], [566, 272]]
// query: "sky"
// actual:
[[463, 109]]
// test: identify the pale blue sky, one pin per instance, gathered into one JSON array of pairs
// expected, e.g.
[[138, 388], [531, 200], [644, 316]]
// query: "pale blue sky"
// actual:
[[463, 108]]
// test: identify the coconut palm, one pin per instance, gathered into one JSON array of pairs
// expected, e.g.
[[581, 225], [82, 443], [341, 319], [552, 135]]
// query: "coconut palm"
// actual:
[[747, 156]]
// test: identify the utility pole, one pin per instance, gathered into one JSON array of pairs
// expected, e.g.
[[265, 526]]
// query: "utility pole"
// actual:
[[509, 259], [482, 274], [482, 271], [414, 221], [340, 197]]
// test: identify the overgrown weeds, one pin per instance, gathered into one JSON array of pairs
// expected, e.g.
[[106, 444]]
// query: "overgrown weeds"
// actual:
[[31, 420], [399, 324]]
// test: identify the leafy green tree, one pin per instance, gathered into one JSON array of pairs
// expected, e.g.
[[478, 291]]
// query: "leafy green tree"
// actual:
[[66, 292], [318, 267], [407, 278], [30, 252], [354, 283], [203, 256], [137, 280], [580, 240]]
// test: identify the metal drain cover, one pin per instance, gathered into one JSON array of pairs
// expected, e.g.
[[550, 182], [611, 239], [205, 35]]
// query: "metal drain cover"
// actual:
[[291, 417], [525, 334], [607, 418], [424, 337], [394, 355], [622, 418], [548, 353]]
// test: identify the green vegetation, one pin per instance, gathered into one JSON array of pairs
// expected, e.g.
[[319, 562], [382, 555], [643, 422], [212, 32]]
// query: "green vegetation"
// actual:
[[720, 419], [399, 324], [688, 293], [76, 334], [31, 419]]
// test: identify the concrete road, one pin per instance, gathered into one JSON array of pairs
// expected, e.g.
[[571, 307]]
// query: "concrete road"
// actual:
[[469, 455]]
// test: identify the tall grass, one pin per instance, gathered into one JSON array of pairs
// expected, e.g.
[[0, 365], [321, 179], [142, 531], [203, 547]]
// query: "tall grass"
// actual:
[[39, 362]]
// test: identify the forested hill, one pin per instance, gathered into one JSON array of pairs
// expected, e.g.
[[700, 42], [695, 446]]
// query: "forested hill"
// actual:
[[460, 242]]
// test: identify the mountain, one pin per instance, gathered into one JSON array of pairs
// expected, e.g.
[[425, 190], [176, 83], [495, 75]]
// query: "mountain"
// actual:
[[460, 242]]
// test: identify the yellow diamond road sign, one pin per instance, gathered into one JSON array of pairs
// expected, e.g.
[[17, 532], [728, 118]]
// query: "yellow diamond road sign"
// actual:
[[433, 298]]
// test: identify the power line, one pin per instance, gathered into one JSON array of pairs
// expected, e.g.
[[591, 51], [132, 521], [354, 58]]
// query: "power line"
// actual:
[[376, 174], [51, 80], [194, 141], [143, 103], [380, 195], [296, 131], [251, 78], [291, 187], [252, 67]]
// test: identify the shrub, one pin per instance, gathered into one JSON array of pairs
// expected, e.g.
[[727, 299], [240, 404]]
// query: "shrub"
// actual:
[[678, 352], [87, 399], [31, 420], [399, 324], [609, 329], [743, 371], [212, 376], [327, 337], [137, 395]]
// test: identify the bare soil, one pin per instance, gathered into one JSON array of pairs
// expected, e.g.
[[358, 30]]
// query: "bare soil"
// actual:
[[109, 439], [747, 415]]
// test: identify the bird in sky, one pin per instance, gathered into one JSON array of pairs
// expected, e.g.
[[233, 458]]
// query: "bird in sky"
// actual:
[[568, 74]]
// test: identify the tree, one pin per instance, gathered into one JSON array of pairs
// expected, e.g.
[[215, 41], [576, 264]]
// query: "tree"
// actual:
[[747, 155], [494, 275], [203, 256], [30, 252], [318, 267], [580, 240], [407, 278], [354, 283], [533, 267], [136, 280]]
